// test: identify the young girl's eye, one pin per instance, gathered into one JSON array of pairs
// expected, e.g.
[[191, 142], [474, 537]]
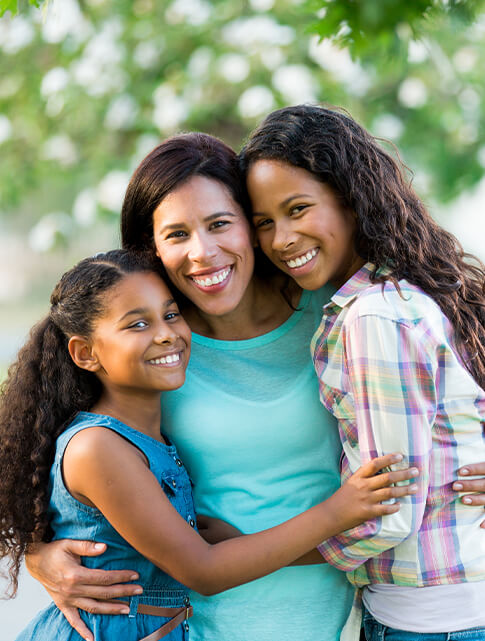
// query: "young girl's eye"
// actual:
[[139, 325], [171, 315], [297, 209]]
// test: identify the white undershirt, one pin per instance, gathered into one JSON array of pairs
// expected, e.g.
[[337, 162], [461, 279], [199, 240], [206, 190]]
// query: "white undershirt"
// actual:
[[437, 608]]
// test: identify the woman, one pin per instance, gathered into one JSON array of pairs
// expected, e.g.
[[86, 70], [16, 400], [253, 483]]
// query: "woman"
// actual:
[[400, 356], [255, 438]]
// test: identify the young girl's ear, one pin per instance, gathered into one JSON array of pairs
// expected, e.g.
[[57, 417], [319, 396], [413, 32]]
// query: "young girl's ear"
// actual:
[[82, 354]]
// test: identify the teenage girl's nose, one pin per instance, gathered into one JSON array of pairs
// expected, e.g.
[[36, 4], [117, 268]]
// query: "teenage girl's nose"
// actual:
[[282, 236], [202, 247]]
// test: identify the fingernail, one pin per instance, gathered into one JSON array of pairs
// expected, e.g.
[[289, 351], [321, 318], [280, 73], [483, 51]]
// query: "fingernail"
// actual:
[[138, 591], [414, 471], [397, 457], [133, 577], [467, 499], [457, 486], [98, 546], [464, 471], [413, 488], [125, 611]]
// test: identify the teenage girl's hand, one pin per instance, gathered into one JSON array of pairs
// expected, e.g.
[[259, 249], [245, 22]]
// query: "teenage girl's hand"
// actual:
[[362, 495], [214, 530], [465, 484], [57, 566]]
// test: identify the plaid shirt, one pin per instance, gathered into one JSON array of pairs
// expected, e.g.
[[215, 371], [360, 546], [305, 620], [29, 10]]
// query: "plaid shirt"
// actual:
[[389, 372]]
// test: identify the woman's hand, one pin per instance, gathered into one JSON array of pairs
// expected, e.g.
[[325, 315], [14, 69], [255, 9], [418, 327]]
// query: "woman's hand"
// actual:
[[362, 495], [215, 530], [477, 486], [57, 566]]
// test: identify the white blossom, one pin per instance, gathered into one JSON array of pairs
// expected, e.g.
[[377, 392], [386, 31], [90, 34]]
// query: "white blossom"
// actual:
[[170, 110], [84, 207], [247, 33], [412, 93], [122, 112], [43, 235], [388, 126], [255, 102], [338, 62], [54, 81], [5, 128], [233, 67], [295, 83], [61, 149], [194, 12], [15, 34], [111, 190]]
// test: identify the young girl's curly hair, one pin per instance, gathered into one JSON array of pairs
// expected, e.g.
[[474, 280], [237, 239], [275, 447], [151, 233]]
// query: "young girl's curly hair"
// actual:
[[43, 392], [393, 227]]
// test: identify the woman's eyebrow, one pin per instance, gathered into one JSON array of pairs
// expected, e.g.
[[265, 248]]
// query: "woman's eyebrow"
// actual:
[[207, 219]]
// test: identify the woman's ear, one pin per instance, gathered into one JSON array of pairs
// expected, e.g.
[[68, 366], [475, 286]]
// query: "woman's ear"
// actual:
[[82, 354]]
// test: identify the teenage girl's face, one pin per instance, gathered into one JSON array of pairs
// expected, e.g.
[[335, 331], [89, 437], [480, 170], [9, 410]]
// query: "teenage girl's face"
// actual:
[[205, 243], [301, 225], [141, 341]]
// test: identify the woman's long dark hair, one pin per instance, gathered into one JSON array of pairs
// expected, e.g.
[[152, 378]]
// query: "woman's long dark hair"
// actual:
[[168, 167], [43, 392], [393, 227]]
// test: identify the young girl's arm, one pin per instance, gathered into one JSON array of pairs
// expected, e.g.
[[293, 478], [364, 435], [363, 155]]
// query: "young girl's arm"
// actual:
[[103, 469]]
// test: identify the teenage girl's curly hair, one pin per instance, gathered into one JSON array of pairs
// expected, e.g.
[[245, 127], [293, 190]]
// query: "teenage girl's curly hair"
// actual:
[[393, 227], [44, 391]]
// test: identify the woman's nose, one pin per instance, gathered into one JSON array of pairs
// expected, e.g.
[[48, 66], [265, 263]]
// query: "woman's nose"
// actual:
[[201, 248]]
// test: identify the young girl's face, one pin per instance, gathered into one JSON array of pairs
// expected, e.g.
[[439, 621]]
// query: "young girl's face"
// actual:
[[141, 342], [205, 243], [301, 225]]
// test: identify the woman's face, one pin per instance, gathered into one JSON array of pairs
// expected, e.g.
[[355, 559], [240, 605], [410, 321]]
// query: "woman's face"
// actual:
[[205, 243], [301, 225]]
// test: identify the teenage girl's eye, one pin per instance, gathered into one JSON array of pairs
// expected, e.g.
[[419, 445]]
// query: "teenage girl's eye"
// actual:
[[297, 209], [173, 315], [179, 233], [263, 222]]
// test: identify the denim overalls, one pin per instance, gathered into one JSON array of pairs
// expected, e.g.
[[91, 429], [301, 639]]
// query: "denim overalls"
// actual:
[[71, 519]]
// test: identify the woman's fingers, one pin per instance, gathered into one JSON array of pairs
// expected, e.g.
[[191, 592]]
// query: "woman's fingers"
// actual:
[[75, 621]]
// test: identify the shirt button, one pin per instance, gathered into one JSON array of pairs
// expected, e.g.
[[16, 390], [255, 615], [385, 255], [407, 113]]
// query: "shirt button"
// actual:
[[179, 462], [174, 483], [191, 522]]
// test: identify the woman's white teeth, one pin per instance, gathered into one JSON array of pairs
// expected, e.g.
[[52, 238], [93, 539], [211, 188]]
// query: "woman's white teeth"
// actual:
[[171, 358], [302, 260], [215, 280]]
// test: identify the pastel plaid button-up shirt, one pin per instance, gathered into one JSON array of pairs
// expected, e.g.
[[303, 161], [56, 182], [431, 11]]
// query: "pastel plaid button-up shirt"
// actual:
[[389, 372]]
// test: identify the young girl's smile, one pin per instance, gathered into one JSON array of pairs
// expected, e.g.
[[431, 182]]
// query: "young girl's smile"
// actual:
[[141, 341], [301, 225]]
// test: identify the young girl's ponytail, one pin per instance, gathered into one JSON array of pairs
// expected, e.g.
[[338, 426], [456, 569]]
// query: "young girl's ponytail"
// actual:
[[43, 392]]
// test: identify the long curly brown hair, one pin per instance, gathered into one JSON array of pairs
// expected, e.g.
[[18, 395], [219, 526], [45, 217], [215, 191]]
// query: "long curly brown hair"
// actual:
[[393, 227], [43, 392]]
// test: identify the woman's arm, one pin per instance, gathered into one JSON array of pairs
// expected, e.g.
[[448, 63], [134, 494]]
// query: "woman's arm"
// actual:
[[131, 499]]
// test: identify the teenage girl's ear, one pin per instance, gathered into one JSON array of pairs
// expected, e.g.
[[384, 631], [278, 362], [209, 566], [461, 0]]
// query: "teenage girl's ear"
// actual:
[[82, 354]]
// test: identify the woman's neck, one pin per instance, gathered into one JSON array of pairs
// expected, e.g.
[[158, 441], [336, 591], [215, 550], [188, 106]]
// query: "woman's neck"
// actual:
[[140, 411], [262, 309]]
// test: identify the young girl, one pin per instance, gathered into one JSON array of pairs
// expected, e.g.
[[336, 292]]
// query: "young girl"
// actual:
[[400, 355], [90, 376]]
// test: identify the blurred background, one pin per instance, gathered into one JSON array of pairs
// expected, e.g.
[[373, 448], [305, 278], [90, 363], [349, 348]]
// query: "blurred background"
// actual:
[[88, 87]]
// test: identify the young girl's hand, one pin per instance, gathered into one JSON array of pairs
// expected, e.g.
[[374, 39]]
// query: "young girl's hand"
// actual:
[[362, 495]]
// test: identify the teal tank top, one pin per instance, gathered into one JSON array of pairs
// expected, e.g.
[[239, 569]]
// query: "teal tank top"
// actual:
[[260, 448]]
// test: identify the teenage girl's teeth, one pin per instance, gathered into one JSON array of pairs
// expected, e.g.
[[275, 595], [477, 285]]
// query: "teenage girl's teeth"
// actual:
[[215, 280], [171, 358], [301, 260]]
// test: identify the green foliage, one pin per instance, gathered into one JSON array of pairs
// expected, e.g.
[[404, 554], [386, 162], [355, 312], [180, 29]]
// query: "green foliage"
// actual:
[[13, 5], [88, 87]]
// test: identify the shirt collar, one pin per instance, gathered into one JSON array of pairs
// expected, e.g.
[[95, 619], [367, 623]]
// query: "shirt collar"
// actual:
[[356, 283]]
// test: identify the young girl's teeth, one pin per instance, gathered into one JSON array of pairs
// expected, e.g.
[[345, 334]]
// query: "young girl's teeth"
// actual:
[[302, 260], [171, 358], [215, 280]]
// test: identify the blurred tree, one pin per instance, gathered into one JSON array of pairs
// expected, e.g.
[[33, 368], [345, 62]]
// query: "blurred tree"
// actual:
[[87, 87]]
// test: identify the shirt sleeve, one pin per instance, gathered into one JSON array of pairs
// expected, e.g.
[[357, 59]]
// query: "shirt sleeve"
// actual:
[[389, 371]]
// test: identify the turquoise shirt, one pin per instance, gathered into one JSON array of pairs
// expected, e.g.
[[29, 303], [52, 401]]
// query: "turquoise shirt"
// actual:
[[260, 448]]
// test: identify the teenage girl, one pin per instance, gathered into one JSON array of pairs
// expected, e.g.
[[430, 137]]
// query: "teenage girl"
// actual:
[[400, 356], [80, 413]]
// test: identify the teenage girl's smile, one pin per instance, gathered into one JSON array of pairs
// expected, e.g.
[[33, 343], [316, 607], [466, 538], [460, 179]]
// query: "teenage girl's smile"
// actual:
[[301, 224], [205, 243]]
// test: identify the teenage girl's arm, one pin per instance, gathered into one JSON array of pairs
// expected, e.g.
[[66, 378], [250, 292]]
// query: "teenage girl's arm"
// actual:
[[103, 469]]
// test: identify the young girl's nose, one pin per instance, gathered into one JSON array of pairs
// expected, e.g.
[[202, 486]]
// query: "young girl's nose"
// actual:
[[282, 238], [165, 335]]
